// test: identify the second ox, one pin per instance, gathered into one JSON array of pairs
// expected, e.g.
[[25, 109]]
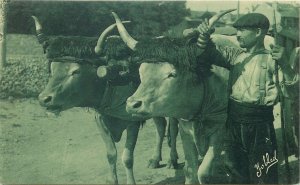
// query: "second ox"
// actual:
[[176, 82]]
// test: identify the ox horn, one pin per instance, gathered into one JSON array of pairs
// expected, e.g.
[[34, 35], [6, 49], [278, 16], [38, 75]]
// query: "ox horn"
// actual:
[[130, 42], [38, 26], [100, 42], [39, 33], [211, 22], [216, 17]]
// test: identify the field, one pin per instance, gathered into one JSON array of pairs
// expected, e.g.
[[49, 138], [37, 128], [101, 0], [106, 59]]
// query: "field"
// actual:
[[40, 148]]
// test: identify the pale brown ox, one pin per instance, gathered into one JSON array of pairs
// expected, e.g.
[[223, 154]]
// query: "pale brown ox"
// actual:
[[74, 83], [176, 88], [171, 85]]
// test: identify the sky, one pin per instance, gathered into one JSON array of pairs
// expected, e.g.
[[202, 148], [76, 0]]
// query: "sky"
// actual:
[[223, 5]]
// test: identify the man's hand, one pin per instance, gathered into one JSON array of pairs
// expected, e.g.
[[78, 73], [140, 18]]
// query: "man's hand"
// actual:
[[204, 36], [278, 54]]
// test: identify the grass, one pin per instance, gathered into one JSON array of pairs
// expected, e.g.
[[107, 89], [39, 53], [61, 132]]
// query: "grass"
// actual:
[[20, 44]]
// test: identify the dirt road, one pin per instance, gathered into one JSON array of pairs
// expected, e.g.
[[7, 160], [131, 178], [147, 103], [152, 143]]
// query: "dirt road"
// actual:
[[38, 148]]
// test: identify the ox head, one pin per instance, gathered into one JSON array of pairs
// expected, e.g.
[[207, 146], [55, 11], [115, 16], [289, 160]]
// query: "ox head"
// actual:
[[73, 67], [170, 69], [171, 73], [70, 85], [163, 92]]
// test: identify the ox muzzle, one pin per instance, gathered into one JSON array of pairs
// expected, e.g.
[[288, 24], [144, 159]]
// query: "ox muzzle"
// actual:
[[135, 108], [46, 100]]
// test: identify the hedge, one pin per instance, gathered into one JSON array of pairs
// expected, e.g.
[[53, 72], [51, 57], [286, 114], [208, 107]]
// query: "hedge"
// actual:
[[23, 77]]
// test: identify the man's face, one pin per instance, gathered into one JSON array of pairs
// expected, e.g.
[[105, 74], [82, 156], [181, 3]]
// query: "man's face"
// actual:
[[247, 37]]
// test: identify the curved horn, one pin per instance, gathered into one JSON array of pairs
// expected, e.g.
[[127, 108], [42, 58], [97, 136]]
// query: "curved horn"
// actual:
[[216, 17], [211, 22], [38, 28], [99, 46], [130, 42]]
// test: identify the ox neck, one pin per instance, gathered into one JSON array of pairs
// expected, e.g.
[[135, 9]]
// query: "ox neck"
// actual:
[[96, 95], [195, 101]]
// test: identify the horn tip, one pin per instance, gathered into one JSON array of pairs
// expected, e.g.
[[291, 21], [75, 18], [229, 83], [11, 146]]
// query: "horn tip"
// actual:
[[97, 50], [115, 15]]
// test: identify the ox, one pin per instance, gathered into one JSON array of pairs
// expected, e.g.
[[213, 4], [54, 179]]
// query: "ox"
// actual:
[[176, 82], [74, 83]]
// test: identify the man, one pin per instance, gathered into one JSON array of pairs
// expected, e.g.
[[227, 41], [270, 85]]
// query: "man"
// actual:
[[292, 108], [250, 141]]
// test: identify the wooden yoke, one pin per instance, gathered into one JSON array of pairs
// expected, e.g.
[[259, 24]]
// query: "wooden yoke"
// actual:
[[111, 72]]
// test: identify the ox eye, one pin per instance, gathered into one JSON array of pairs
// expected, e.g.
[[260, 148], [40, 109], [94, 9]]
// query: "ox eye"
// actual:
[[172, 74], [75, 72]]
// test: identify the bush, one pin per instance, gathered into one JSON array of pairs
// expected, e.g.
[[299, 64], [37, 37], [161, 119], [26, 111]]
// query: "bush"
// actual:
[[26, 73], [20, 44], [23, 77]]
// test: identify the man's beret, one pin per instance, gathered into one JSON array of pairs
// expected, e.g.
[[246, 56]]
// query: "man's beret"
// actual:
[[252, 20]]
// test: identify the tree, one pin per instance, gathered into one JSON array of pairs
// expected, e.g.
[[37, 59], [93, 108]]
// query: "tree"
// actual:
[[90, 18], [3, 20]]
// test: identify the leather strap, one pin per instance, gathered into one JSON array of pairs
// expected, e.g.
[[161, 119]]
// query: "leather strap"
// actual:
[[106, 96], [199, 115], [246, 60], [262, 78]]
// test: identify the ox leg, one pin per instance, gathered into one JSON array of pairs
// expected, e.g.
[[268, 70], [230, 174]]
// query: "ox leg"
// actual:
[[204, 170], [173, 124], [160, 124], [211, 156], [190, 153], [127, 157], [110, 150]]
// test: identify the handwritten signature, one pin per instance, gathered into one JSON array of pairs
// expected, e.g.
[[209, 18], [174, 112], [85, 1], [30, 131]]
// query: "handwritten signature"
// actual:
[[267, 163]]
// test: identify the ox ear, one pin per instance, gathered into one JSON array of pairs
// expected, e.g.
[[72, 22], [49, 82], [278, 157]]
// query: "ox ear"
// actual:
[[191, 35], [190, 32], [100, 61]]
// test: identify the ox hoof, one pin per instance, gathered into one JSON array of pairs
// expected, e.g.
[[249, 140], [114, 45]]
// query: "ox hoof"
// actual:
[[110, 181], [153, 164], [172, 164]]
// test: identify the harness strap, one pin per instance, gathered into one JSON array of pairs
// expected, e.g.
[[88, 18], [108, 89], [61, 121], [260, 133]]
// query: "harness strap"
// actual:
[[106, 96], [198, 116], [262, 79], [246, 60]]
